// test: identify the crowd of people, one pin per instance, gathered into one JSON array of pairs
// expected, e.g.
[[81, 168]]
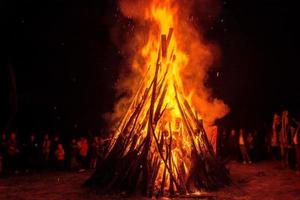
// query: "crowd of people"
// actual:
[[239, 146], [281, 142], [285, 140], [34, 154]]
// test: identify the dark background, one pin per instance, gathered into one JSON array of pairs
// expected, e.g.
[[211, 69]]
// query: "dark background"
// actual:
[[66, 65]]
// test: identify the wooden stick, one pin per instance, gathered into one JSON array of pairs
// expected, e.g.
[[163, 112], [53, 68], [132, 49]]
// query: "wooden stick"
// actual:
[[169, 37], [163, 46]]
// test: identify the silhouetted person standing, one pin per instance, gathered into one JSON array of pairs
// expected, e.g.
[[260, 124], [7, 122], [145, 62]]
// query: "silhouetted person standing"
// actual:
[[285, 139], [233, 145], [46, 147], [243, 148], [3, 153], [32, 155], [95, 152], [74, 151], [296, 140], [250, 145], [83, 153], [275, 146], [60, 157], [53, 149]]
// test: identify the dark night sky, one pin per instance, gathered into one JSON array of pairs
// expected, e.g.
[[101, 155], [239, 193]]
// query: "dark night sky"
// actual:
[[66, 64]]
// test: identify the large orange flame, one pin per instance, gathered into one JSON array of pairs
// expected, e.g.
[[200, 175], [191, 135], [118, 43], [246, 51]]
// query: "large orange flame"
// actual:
[[183, 66], [194, 56]]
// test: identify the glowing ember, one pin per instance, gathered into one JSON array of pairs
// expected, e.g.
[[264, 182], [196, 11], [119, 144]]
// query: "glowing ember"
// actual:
[[160, 142]]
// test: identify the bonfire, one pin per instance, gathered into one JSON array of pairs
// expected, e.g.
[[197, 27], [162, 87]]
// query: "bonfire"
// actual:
[[159, 146]]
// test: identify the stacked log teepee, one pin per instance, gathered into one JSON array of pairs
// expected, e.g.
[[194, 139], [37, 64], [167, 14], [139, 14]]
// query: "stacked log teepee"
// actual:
[[146, 156]]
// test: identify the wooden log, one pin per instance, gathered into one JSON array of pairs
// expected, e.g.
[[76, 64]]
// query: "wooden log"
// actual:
[[142, 81], [139, 109], [182, 189], [164, 46], [171, 186], [190, 111], [169, 37], [162, 186], [144, 161], [131, 119], [156, 167], [162, 81], [159, 105], [162, 139], [184, 119]]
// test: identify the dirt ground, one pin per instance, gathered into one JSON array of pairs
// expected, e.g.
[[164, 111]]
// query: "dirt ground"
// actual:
[[263, 180]]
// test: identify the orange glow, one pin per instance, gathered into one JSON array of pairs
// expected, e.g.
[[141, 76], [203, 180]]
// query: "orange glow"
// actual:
[[181, 74]]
